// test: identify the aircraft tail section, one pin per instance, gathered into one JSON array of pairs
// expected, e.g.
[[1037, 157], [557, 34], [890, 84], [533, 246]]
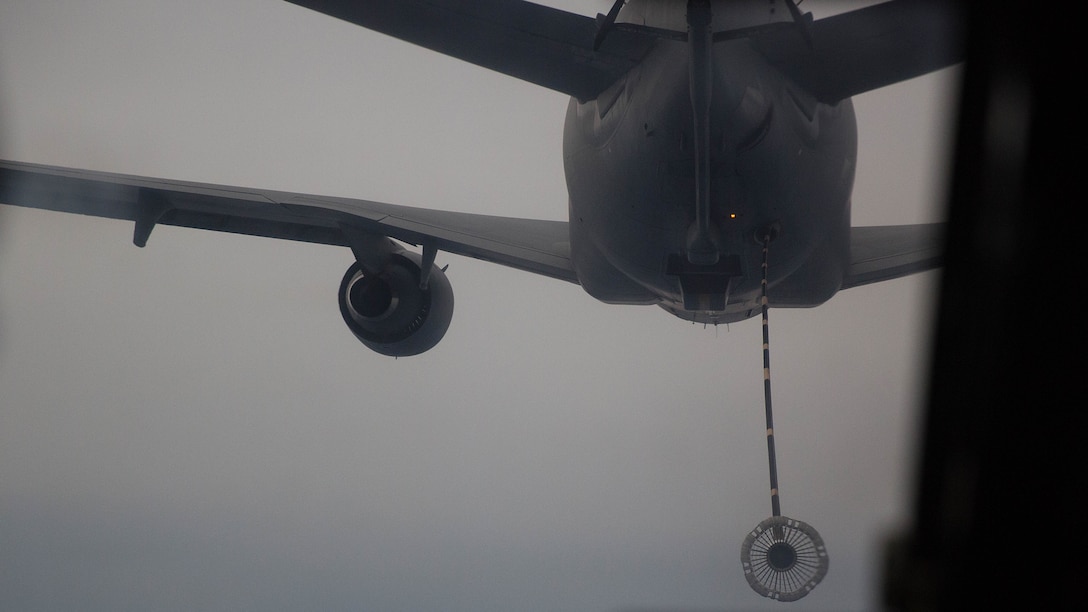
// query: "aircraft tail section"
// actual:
[[546, 46], [834, 58], [851, 53]]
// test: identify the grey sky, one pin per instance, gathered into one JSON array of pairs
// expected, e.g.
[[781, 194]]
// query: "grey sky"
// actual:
[[191, 425]]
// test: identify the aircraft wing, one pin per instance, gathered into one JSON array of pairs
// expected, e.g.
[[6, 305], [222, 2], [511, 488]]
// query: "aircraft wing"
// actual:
[[542, 247], [534, 43], [866, 49], [879, 253]]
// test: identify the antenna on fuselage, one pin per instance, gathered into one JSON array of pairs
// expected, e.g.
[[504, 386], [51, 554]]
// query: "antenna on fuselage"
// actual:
[[783, 558]]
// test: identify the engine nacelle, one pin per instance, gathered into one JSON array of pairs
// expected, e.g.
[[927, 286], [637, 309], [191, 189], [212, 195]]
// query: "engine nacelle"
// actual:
[[389, 312]]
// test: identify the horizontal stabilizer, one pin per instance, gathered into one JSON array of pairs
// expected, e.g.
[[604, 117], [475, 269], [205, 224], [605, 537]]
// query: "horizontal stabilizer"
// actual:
[[546, 46], [866, 49]]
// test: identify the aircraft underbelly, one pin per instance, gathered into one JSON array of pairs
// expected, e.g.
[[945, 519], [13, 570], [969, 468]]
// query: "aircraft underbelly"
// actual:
[[776, 157]]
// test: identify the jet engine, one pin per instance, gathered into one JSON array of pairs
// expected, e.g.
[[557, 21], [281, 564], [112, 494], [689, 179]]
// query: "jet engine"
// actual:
[[391, 311]]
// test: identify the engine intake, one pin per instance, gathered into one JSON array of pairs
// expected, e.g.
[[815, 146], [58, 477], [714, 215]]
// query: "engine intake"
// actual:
[[389, 312]]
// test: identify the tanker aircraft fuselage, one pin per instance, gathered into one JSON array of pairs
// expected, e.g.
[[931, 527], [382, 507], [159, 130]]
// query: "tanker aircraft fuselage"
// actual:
[[770, 157], [703, 138]]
